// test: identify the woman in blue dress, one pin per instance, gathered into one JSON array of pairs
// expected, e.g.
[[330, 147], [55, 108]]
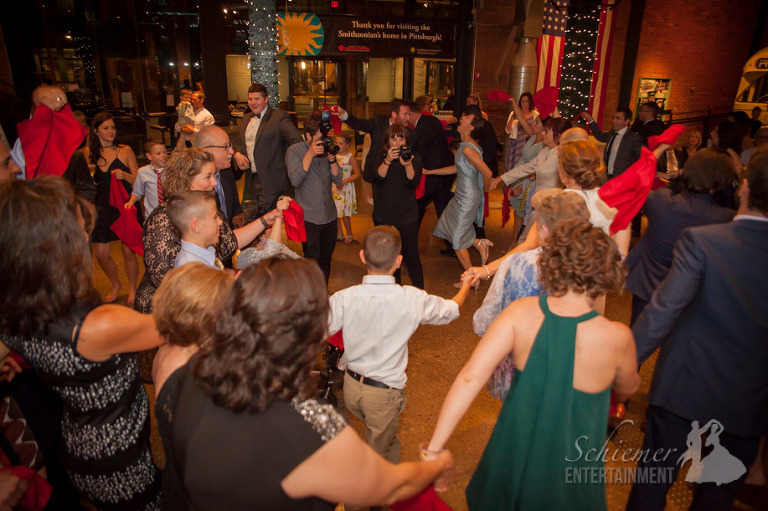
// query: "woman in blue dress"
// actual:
[[466, 207]]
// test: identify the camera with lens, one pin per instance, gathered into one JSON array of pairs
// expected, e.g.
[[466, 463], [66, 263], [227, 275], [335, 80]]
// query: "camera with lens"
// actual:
[[329, 146], [405, 153]]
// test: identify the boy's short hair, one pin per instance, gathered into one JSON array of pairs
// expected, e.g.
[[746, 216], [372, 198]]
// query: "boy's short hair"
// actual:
[[187, 303], [381, 247], [185, 91], [184, 206], [152, 142]]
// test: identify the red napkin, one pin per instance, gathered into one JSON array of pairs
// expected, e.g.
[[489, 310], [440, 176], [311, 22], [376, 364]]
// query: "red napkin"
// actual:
[[38, 492], [127, 226], [498, 95], [420, 188], [336, 339], [628, 191], [506, 210], [335, 121], [49, 140], [19, 360], [546, 101], [427, 500], [293, 217], [669, 136]]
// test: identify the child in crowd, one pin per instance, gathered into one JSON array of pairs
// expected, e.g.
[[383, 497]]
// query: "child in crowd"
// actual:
[[344, 196], [149, 180], [378, 318], [194, 214], [186, 115]]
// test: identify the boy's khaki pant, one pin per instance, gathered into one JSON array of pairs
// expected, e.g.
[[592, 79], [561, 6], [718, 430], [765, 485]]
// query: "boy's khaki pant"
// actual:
[[380, 410]]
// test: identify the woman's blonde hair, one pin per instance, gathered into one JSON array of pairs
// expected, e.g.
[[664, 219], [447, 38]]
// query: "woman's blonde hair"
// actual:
[[582, 161], [186, 304], [183, 165]]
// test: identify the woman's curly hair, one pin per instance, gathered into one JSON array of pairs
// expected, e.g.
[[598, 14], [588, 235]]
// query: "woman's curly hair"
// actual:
[[271, 329], [183, 165], [579, 257], [581, 160]]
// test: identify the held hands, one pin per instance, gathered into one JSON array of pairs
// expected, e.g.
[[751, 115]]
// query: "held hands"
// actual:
[[337, 110], [242, 161], [9, 369], [473, 274], [282, 204], [448, 471], [494, 183]]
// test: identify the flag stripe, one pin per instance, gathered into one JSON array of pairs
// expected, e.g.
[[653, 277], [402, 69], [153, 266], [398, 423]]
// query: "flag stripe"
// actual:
[[550, 61], [602, 64]]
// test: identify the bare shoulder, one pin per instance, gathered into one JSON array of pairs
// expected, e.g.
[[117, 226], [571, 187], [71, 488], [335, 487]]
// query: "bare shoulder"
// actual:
[[605, 332]]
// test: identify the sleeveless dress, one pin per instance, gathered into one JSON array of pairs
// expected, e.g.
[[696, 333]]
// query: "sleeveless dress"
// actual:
[[532, 452], [106, 417], [345, 197], [466, 206], [106, 214]]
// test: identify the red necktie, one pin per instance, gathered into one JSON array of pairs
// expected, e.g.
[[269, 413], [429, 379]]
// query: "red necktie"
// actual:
[[160, 195]]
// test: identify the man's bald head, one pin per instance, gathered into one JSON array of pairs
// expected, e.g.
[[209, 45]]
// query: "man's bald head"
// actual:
[[216, 141], [572, 134]]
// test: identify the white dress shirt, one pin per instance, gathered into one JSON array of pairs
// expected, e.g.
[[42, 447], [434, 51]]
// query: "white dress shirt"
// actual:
[[378, 317], [250, 139]]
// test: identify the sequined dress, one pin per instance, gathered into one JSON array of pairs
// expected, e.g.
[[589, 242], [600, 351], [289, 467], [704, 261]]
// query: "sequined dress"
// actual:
[[106, 418]]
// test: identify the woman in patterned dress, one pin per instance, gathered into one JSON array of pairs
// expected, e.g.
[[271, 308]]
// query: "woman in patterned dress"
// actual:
[[53, 317]]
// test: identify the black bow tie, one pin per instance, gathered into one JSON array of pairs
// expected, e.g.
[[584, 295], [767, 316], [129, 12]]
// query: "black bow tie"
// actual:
[[258, 115]]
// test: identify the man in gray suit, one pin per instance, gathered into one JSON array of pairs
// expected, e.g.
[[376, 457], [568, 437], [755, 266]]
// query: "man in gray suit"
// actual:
[[265, 135], [709, 318], [622, 144]]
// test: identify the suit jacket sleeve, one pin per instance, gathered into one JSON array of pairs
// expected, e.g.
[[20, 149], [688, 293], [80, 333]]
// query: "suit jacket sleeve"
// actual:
[[600, 134], [671, 298], [79, 176], [366, 125], [288, 131]]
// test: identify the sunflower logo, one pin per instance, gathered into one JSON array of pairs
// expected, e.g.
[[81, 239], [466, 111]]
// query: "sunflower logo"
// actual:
[[299, 34]]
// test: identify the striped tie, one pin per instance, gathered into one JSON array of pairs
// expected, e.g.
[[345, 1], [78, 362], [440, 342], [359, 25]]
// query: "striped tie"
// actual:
[[160, 195]]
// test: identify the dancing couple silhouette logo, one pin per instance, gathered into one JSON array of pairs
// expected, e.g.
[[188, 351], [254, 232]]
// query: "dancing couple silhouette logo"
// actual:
[[710, 461]]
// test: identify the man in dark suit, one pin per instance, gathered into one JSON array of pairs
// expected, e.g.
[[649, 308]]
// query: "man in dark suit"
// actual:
[[216, 141], [709, 317], [428, 141], [622, 144], [399, 113], [265, 135]]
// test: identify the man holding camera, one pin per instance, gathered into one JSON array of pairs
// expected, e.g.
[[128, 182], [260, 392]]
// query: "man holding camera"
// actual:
[[311, 170]]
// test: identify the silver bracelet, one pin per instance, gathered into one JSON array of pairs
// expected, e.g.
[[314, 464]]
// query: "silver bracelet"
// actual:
[[488, 272]]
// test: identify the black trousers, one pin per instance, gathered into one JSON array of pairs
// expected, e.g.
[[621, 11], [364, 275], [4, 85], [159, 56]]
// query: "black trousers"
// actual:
[[638, 304], [409, 236], [440, 198], [320, 244], [665, 431]]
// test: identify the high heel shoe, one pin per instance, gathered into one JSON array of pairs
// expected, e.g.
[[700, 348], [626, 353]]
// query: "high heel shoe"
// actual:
[[483, 247]]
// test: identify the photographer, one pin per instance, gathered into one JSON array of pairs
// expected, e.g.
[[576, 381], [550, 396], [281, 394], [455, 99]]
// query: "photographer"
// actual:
[[311, 170], [394, 177]]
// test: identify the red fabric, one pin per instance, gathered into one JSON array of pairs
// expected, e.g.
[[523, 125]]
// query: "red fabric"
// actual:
[[669, 136], [420, 188], [506, 210], [335, 121], [628, 191], [545, 101], [336, 339], [49, 140], [38, 492], [127, 226], [427, 500], [20, 360], [498, 95], [293, 217]]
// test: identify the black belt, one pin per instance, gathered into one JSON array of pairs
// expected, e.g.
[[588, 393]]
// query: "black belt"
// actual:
[[367, 381]]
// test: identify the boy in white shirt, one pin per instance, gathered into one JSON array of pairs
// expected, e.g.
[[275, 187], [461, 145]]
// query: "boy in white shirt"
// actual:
[[378, 318], [149, 180]]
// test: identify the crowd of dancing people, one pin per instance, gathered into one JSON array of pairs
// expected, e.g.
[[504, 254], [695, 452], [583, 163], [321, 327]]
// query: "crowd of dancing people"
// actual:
[[228, 323]]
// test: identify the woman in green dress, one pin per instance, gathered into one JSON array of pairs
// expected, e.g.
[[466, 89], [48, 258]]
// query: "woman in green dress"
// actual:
[[552, 425]]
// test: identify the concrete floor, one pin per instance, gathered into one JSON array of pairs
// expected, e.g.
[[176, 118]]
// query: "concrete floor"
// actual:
[[438, 353]]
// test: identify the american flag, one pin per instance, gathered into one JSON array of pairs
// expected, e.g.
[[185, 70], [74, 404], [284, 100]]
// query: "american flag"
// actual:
[[602, 63], [549, 55]]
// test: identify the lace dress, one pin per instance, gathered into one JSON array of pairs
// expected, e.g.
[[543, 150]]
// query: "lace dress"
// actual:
[[252, 255], [106, 417], [345, 197], [517, 277]]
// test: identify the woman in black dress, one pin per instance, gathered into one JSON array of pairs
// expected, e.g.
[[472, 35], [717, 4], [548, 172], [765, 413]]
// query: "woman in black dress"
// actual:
[[53, 317], [110, 158]]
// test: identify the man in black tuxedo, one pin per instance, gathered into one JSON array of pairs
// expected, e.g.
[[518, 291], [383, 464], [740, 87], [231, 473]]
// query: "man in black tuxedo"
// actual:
[[428, 141], [216, 141], [265, 135], [399, 113], [622, 144], [709, 318]]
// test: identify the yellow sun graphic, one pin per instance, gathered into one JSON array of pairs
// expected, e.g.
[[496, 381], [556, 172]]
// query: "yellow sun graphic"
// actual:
[[299, 34]]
